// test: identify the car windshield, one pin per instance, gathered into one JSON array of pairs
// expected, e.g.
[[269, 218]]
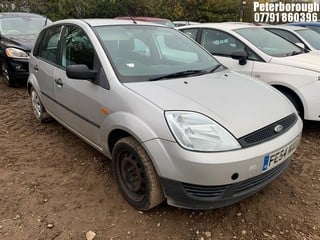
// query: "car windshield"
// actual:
[[22, 25], [312, 37], [268, 42], [149, 53]]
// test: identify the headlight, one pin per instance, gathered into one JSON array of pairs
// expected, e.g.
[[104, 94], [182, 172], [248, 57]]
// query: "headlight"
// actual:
[[197, 132], [16, 53]]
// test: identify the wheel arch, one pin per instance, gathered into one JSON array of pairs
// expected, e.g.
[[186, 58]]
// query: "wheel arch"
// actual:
[[114, 136], [288, 91], [123, 124]]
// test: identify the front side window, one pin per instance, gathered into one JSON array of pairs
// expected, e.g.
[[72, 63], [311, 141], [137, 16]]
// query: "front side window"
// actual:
[[76, 48], [142, 53], [49, 44], [191, 32], [220, 43], [223, 44], [268, 42]]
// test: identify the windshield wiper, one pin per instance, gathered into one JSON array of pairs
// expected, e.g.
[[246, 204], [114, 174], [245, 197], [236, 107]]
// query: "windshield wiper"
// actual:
[[215, 68], [180, 74]]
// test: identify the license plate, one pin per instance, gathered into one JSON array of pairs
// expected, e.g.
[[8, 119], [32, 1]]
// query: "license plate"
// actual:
[[275, 158]]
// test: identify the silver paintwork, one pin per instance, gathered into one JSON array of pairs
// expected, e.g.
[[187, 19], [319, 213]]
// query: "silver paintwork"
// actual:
[[238, 103]]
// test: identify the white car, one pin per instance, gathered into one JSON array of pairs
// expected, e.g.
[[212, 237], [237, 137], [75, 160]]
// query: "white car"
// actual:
[[307, 38], [253, 51]]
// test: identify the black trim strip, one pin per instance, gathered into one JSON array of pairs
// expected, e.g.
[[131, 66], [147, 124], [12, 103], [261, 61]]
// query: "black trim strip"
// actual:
[[70, 110]]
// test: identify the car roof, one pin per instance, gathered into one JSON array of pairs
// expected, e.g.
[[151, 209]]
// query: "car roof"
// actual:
[[141, 18], [95, 22], [223, 25], [305, 23], [18, 14], [286, 27]]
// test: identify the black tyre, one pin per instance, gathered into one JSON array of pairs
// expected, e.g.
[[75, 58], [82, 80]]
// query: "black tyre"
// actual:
[[135, 175], [296, 103], [37, 107], [7, 75]]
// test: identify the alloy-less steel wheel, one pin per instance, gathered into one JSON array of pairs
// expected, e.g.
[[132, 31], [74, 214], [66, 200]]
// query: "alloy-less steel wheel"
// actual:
[[38, 109], [135, 174], [6, 74]]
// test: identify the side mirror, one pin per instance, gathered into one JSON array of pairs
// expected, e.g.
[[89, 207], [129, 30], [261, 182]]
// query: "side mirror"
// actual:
[[80, 71], [241, 55]]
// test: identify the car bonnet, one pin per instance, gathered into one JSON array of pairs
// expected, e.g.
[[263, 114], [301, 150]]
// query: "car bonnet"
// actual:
[[240, 104], [307, 61]]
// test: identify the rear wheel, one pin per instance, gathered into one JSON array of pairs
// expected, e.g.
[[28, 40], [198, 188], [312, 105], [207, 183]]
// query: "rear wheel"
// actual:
[[38, 109], [135, 174], [7, 75]]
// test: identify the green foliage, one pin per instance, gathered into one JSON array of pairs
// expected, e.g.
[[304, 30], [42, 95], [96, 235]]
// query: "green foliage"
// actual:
[[192, 10]]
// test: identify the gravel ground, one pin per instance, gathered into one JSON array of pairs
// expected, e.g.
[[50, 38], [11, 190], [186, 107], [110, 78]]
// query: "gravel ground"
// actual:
[[55, 186]]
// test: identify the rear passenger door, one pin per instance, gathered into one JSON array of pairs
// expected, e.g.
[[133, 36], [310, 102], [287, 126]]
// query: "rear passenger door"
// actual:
[[44, 64]]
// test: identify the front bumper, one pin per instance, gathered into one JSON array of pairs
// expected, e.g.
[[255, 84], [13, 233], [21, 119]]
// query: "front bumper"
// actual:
[[180, 170], [192, 196], [18, 68]]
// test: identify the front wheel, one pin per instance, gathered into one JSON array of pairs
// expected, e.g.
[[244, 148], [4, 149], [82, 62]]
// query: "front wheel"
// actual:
[[8, 78], [135, 175]]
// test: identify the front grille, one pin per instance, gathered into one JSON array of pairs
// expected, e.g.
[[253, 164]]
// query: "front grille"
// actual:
[[229, 190], [268, 132]]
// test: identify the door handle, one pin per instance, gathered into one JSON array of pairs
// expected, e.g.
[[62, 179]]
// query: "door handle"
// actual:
[[58, 82], [36, 68]]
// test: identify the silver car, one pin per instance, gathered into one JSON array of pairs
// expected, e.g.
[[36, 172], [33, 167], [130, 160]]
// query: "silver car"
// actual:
[[177, 124]]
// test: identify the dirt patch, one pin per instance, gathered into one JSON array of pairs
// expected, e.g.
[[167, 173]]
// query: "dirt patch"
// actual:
[[55, 186]]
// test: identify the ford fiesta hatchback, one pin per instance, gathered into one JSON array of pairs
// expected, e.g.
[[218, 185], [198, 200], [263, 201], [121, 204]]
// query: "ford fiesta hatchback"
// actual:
[[176, 123]]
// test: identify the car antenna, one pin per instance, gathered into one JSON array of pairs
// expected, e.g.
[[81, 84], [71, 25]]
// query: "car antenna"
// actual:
[[45, 23], [134, 21]]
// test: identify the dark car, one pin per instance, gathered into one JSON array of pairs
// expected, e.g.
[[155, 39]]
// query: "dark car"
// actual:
[[18, 32]]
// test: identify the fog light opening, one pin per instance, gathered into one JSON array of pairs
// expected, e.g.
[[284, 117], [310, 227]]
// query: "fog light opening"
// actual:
[[235, 176]]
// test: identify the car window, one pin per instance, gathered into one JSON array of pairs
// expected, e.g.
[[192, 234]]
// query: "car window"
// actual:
[[312, 37], [48, 49], [223, 44], [191, 32], [285, 34], [76, 48], [144, 53], [268, 42], [22, 25], [314, 28], [170, 50]]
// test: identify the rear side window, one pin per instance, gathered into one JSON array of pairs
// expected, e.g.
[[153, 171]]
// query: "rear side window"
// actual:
[[49, 45]]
